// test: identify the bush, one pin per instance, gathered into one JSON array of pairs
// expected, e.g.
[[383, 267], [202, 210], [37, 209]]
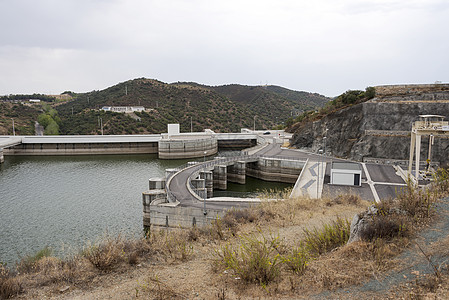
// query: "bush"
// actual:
[[254, 260], [417, 203], [329, 237], [9, 286], [28, 263], [384, 227], [297, 260], [106, 255]]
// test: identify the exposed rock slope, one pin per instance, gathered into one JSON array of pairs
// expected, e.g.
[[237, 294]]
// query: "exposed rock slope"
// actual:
[[379, 128]]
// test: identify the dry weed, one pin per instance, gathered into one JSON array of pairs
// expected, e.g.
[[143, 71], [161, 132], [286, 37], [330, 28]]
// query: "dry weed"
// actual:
[[106, 255], [9, 285]]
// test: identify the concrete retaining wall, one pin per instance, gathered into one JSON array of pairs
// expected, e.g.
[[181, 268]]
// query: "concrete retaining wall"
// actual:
[[273, 169], [175, 216]]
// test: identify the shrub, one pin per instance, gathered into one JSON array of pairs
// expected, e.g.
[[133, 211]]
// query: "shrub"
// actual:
[[254, 260], [9, 285], [441, 178], [297, 260], [106, 255], [417, 203], [329, 237], [384, 227], [28, 263]]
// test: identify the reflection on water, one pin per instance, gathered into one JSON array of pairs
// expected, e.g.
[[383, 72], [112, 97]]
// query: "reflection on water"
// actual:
[[63, 202]]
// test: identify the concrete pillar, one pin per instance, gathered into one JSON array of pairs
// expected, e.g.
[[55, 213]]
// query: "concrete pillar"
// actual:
[[220, 177], [157, 183], [412, 149], [2, 158], [169, 173], [148, 198], [418, 151], [237, 172], [209, 182], [202, 193], [198, 183]]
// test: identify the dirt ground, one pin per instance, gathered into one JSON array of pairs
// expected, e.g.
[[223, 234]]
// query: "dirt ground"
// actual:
[[350, 272]]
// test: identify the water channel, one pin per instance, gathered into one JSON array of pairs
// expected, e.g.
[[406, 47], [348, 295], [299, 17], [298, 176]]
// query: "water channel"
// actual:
[[64, 202]]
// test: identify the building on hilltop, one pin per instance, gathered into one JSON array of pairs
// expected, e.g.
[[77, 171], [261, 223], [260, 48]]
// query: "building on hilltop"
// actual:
[[123, 109]]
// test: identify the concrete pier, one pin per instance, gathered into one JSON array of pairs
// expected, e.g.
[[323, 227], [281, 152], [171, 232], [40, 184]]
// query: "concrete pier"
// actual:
[[157, 183], [220, 177], [208, 176], [237, 172], [2, 158], [149, 198]]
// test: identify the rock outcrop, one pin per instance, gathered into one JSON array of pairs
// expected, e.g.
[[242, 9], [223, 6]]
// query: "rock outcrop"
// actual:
[[379, 128]]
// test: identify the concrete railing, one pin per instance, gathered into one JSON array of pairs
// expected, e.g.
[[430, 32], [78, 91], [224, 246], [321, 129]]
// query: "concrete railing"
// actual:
[[223, 161]]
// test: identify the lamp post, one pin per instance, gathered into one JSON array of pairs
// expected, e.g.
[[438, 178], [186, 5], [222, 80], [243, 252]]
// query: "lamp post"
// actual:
[[205, 189], [318, 179], [324, 138], [101, 124]]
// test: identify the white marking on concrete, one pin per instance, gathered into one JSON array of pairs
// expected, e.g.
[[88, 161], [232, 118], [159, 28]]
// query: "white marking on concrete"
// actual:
[[371, 184]]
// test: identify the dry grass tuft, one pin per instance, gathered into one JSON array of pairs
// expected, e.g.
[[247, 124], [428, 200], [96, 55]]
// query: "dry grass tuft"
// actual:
[[9, 285], [327, 238], [106, 255]]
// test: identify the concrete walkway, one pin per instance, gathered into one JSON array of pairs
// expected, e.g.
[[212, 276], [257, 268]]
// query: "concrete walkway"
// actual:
[[311, 181]]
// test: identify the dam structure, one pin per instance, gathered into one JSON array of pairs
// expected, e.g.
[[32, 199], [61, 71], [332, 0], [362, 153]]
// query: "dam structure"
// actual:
[[184, 197], [166, 145]]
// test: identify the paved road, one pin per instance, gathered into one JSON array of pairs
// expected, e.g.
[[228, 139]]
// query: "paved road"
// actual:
[[378, 181]]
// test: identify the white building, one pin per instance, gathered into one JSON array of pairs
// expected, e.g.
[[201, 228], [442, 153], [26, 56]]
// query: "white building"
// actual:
[[123, 109], [346, 173]]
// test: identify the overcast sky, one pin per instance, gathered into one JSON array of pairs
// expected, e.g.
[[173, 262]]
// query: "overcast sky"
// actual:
[[323, 46]]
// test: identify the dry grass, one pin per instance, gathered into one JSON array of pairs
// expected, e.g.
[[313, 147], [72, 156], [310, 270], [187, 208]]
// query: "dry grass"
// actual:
[[264, 246]]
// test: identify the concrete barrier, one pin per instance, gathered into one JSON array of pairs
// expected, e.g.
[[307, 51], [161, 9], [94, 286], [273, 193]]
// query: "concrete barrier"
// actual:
[[184, 217]]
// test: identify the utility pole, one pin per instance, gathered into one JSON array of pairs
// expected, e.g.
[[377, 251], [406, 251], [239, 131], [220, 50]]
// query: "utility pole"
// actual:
[[254, 124], [101, 122], [13, 129], [126, 90], [191, 125]]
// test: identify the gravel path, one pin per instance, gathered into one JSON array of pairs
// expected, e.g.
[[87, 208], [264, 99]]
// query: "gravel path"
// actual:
[[414, 265]]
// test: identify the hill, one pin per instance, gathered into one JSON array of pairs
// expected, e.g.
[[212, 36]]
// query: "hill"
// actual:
[[24, 117], [222, 109]]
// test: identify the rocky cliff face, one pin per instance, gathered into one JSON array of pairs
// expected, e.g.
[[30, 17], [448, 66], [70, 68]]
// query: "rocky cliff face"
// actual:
[[379, 128]]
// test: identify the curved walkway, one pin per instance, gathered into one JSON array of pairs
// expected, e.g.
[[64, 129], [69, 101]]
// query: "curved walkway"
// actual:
[[378, 181]]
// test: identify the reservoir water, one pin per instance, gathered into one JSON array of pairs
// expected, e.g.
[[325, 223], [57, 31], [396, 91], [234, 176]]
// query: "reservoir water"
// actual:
[[64, 202]]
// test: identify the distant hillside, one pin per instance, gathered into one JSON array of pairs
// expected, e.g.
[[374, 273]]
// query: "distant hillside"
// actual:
[[277, 101], [24, 117], [222, 109]]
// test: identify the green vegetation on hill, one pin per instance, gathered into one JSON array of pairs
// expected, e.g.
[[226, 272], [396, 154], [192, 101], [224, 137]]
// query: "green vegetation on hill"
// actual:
[[50, 120], [222, 109], [346, 99], [41, 97], [24, 117]]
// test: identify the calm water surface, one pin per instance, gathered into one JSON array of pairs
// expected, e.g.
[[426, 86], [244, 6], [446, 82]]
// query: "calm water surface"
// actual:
[[64, 202]]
